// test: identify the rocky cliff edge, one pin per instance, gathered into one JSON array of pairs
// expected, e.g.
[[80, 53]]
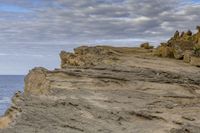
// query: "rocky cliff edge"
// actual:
[[107, 89]]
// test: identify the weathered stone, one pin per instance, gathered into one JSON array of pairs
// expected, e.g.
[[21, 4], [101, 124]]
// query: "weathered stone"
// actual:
[[176, 34], [189, 33], [70, 59], [187, 56], [182, 34], [146, 46], [195, 61], [164, 51], [140, 93], [179, 48], [84, 56], [198, 28], [36, 82], [180, 43], [177, 51], [167, 51]]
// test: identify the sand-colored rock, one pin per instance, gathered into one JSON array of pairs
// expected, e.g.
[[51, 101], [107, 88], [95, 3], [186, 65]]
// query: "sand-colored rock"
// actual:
[[12, 112], [180, 47], [180, 44], [187, 56], [146, 46], [140, 93], [195, 61], [84, 56], [164, 51], [4, 122], [167, 51], [36, 82]]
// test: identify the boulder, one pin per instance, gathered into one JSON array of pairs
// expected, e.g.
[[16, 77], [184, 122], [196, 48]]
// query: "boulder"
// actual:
[[179, 47], [187, 56], [70, 59], [167, 51], [195, 61], [164, 51], [146, 46], [36, 82]]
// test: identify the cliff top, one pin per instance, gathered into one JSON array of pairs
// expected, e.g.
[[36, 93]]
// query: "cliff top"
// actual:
[[128, 89]]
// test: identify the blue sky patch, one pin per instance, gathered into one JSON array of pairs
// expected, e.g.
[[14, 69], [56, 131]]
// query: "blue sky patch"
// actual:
[[13, 8]]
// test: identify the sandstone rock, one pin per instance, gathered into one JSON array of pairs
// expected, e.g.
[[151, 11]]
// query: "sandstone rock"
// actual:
[[195, 61], [167, 52], [189, 33], [146, 46], [71, 59], [36, 82], [12, 112], [179, 47], [198, 28], [182, 34], [187, 56], [139, 93], [180, 43], [84, 56], [176, 34], [164, 51]]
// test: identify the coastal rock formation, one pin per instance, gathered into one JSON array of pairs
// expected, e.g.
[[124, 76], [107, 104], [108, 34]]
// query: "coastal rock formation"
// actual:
[[84, 56], [187, 56], [146, 46], [36, 81], [137, 93], [195, 61], [182, 46], [179, 47], [12, 112], [164, 51]]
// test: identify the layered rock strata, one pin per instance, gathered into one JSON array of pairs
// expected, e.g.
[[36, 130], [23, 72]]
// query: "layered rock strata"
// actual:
[[135, 92]]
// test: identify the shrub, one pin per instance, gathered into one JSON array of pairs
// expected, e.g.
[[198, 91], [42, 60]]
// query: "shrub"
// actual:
[[197, 50]]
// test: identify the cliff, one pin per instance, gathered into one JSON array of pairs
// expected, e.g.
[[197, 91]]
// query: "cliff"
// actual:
[[107, 89]]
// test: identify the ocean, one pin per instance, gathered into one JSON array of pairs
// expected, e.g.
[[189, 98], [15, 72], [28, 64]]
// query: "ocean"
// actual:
[[9, 84]]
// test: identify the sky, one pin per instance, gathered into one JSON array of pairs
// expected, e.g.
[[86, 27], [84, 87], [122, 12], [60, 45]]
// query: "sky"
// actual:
[[33, 32]]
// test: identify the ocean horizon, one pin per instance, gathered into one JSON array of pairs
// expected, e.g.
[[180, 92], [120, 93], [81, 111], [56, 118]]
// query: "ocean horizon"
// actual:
[[9, 84]]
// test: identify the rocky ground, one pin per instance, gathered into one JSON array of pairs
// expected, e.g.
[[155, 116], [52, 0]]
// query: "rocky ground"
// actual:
[[111, 90]]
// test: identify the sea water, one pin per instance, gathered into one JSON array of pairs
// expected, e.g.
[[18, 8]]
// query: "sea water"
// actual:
[[9, 84]]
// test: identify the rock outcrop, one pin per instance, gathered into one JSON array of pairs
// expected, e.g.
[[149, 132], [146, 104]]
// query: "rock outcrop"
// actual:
[[146, 46], [181, 46], [36, 82], [195, 61], [84, 56], [187, 56], [164, 51], [137, 93], [12, 112]]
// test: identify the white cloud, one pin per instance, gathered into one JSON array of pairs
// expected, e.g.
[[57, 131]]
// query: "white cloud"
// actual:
[[52, 25]]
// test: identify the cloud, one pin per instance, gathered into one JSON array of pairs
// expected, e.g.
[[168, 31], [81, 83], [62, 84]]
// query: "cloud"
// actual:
[[79, 21], [44, 27]]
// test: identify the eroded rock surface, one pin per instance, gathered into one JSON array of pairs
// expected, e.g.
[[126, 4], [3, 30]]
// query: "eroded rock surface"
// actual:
[[89, 56], [178, 45], [137, 93]]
